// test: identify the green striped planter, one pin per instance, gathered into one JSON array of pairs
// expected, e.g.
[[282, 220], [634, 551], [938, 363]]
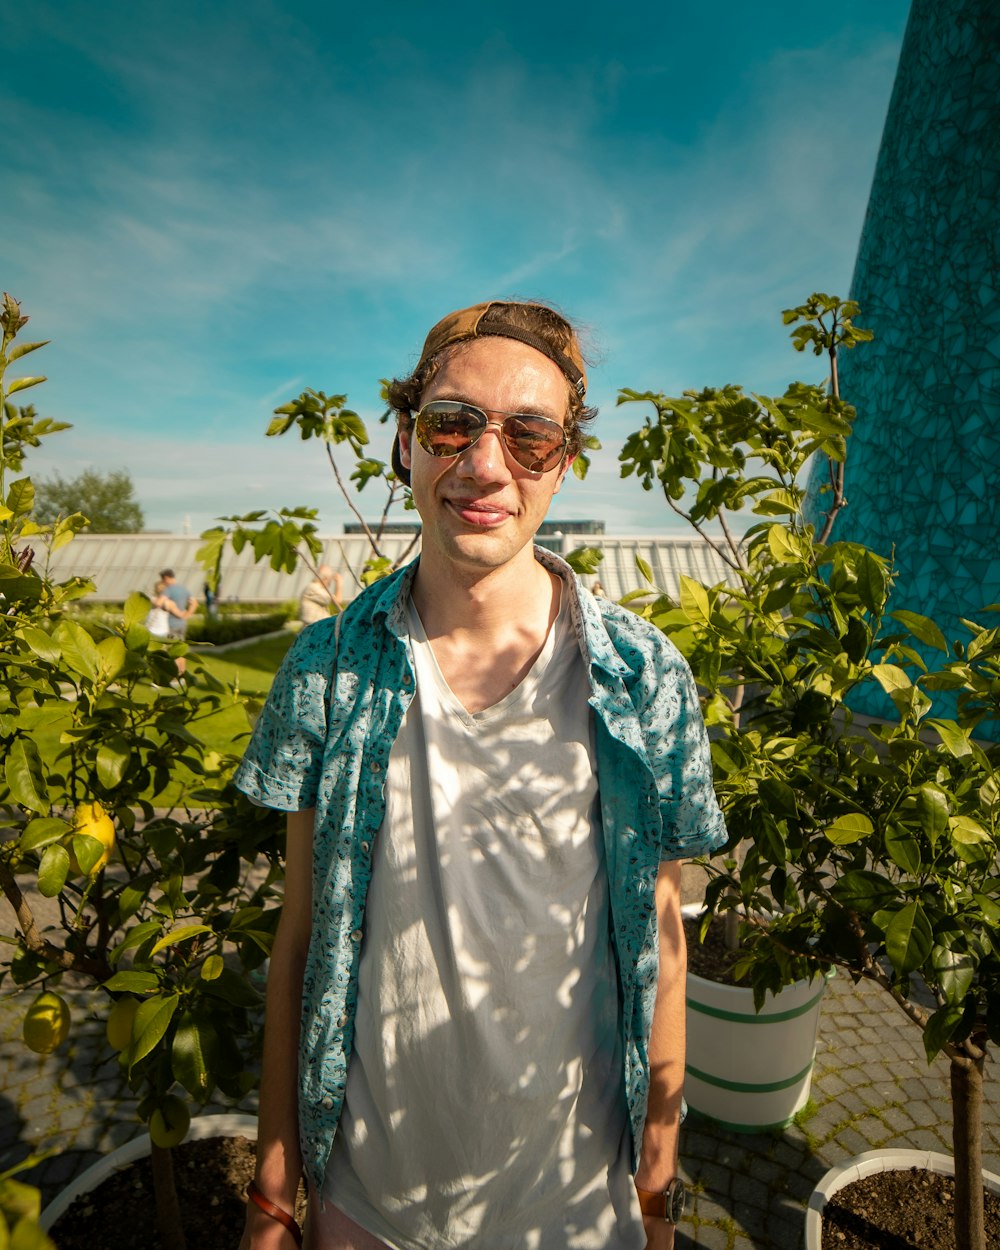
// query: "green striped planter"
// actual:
[[746, 1070]]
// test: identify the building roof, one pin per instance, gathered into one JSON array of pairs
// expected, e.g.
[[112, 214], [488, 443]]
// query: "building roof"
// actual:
[[118, 564]]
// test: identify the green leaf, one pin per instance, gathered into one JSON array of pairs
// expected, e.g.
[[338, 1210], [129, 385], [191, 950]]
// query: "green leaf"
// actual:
[[932, 808], [53, 870], [151, 1022], [78, 649], [940, 1027], [176, 936], [871, 582], [908, 939], [585, 561], [903, 849], [133, 982], [136, 609], [112, 654], [777, 503], [967, 832], [212, 968], [849, 828], [43, 645], [87, 850], [864, 891], [954, 739], [21, 497], [113, 757], [23, 774], [922, 628], [890, 677], [955, 972], [694, 600], [785, 548], [22, 384], [644, 569], [192, 1054], [42, 831], [22, 349]]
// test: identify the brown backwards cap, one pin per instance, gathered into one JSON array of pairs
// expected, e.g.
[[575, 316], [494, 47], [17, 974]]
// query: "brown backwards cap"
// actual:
[[466, 324]]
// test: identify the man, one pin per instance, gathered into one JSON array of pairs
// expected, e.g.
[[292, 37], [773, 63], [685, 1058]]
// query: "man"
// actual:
[[317, 598], [491, 778], [186, 605]]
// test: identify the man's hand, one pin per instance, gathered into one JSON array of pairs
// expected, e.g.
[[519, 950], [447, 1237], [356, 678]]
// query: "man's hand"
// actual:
[[659, 1234], [263, 1233]]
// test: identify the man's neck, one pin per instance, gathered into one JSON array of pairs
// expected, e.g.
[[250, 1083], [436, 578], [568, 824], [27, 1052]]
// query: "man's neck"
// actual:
[[484, 602], [487, 633]]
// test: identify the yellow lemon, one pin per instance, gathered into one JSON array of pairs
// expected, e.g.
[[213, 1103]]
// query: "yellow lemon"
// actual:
[[120, 1017], [168, 1125], [46, 1024], [94, 821]]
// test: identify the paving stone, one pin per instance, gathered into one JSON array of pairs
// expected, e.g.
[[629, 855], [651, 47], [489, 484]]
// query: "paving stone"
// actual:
[[852, 1142], [710, 1209], [714, 1180], [705, 1237], [928, 1139]]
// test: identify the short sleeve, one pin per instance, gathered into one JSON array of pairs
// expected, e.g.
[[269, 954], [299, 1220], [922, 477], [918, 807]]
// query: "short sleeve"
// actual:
[[283, 760], [678, 752], [692, 821]]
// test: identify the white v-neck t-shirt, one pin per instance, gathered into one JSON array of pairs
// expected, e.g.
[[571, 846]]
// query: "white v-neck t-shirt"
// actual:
[[485, 1106]]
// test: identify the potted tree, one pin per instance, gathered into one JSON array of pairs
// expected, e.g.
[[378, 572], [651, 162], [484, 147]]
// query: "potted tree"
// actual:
[[868, 847], [158, 909]]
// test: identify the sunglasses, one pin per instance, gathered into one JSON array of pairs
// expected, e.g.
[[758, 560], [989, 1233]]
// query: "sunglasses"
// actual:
[[447, 427]]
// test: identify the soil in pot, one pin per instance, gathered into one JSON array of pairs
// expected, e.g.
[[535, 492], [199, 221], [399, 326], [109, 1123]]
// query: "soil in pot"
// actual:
[[905, 1210], [211, 1177], [710, 959]]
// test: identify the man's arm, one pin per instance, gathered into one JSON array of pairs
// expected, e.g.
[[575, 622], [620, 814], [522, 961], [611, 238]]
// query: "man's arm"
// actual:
[[658, 1160], [279, 1161]]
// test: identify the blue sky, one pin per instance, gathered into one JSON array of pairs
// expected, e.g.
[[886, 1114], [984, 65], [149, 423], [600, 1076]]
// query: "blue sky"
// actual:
[[209, 207]]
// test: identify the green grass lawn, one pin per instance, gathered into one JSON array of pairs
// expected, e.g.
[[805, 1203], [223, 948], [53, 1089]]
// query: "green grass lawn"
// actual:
[[250, 668]]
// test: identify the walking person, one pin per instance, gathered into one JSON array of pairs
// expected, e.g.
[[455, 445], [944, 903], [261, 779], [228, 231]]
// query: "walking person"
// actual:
[[475, 1005]]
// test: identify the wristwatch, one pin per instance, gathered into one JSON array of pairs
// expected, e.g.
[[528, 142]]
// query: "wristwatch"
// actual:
[[667, 1204]]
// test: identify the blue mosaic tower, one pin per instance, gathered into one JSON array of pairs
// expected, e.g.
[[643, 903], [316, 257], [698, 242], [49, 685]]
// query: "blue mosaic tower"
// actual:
[[923, 467]]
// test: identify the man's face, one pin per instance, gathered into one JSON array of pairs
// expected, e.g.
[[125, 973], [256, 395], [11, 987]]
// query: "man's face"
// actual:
[[480, 509]]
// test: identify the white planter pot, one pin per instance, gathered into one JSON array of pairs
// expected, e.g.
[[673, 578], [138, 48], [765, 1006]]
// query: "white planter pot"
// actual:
[[749, 1070], [224, 1125], [868, 1164]]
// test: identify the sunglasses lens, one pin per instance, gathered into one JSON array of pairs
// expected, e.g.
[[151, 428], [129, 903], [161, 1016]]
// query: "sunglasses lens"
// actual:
[[535, 442], [446, 427]]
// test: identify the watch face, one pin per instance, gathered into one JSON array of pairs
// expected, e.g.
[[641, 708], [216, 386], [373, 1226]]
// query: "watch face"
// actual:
[[676, 1200]]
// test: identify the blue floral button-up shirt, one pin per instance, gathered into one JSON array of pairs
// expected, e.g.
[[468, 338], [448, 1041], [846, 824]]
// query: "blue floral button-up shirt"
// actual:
[[323, 742]]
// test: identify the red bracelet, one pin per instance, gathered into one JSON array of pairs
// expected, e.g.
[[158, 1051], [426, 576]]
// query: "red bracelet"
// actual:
[[274, 1211]]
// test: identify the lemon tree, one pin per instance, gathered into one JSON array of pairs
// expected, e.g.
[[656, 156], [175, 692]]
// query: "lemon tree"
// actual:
[[870, 847], [164, 908]]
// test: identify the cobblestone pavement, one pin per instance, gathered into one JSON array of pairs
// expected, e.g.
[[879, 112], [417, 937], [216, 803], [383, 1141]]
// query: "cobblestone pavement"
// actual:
[[872, 1088]]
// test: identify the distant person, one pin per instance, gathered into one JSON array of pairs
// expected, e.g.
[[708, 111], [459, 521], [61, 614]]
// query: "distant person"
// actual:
[[186, 605], [317, 597], [161, 609], [212, 599]]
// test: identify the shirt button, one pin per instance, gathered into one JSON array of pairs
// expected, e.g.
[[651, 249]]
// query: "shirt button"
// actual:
[[366, 847], [342, 1022], [327, 1103], [407, 679], [376, 766], [356, 935]]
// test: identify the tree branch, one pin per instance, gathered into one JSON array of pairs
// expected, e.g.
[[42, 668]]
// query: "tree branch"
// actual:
[[38, 945]]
